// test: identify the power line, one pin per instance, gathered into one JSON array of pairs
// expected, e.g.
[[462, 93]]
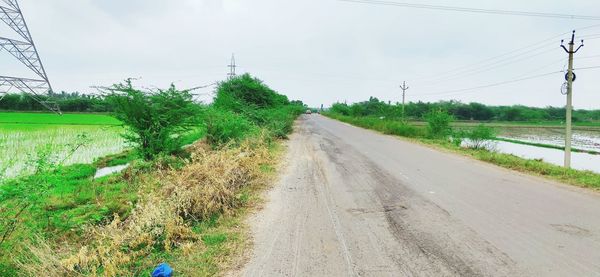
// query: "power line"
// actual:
[[558, 61], [491, 66], [498, 57], [454, 92], [590, 35], [587, 57], [474, 10], [588, 27], [203, 86], [451, 92], [585, 68], [592, 38]]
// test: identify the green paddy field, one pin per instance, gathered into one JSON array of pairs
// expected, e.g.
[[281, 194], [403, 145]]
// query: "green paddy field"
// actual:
[[25, 137]]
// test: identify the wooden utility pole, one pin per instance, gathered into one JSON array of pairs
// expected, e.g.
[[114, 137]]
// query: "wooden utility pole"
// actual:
[[570, 78], [404, 89]]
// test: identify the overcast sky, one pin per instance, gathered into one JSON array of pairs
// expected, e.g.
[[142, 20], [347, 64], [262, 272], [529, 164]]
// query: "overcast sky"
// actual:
[[318, 51]]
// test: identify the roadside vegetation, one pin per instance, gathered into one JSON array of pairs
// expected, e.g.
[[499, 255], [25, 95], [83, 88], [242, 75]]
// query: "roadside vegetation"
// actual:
[[194, 170], [473, 141], [551, 116], [417, 111]]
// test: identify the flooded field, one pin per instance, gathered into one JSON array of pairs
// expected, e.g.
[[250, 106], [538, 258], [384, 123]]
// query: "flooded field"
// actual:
[[582, 139], [586, 139], [23, 146], [581, 161]]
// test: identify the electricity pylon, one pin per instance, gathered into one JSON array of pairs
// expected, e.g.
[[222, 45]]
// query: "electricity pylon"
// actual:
[[232, 67], [25, 51]]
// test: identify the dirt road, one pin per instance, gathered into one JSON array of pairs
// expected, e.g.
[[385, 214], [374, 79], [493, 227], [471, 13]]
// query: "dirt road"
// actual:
[[355, 203]]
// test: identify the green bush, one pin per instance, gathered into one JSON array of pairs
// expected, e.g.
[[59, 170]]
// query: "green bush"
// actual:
[[243, 92], [280, 121], [438, 124], [224, 126], [340, 108], [156, 121], [480, 137], [399, 128], [251, 99]]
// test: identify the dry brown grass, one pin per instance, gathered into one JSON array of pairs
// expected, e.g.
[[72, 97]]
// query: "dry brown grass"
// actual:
[[210, 183]]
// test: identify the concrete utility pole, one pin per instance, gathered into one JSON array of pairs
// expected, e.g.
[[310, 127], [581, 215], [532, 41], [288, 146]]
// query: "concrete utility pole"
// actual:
[[570, 78], [404, 89]]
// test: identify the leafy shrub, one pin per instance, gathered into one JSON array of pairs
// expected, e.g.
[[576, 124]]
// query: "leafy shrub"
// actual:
[[400, 129], [279, 121], [224, 126], [250, 98], [156, 120], [340, 108], [480, 137], [245, 91], [438, 124]]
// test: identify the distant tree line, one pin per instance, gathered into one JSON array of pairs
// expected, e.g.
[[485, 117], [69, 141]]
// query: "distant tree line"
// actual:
[[461, 111], [68, 102]]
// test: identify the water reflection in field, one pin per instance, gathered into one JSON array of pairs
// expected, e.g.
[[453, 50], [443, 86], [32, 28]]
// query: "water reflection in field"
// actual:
[[586, 139], [581, 161]]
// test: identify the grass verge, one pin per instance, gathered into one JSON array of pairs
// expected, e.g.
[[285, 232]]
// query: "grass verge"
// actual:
[[580, 178], [186, 212]]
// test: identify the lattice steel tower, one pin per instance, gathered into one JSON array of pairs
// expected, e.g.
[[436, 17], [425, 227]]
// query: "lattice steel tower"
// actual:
[[232, 67], [25, 51]]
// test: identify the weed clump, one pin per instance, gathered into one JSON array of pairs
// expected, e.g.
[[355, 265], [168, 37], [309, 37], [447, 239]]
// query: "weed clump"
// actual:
[[209, 184]]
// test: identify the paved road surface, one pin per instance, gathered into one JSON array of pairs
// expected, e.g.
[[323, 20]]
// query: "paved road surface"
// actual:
[[355, 203]]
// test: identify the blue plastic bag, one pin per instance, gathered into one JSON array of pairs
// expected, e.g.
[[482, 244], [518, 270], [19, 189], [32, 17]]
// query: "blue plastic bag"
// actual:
[[162, 270]]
